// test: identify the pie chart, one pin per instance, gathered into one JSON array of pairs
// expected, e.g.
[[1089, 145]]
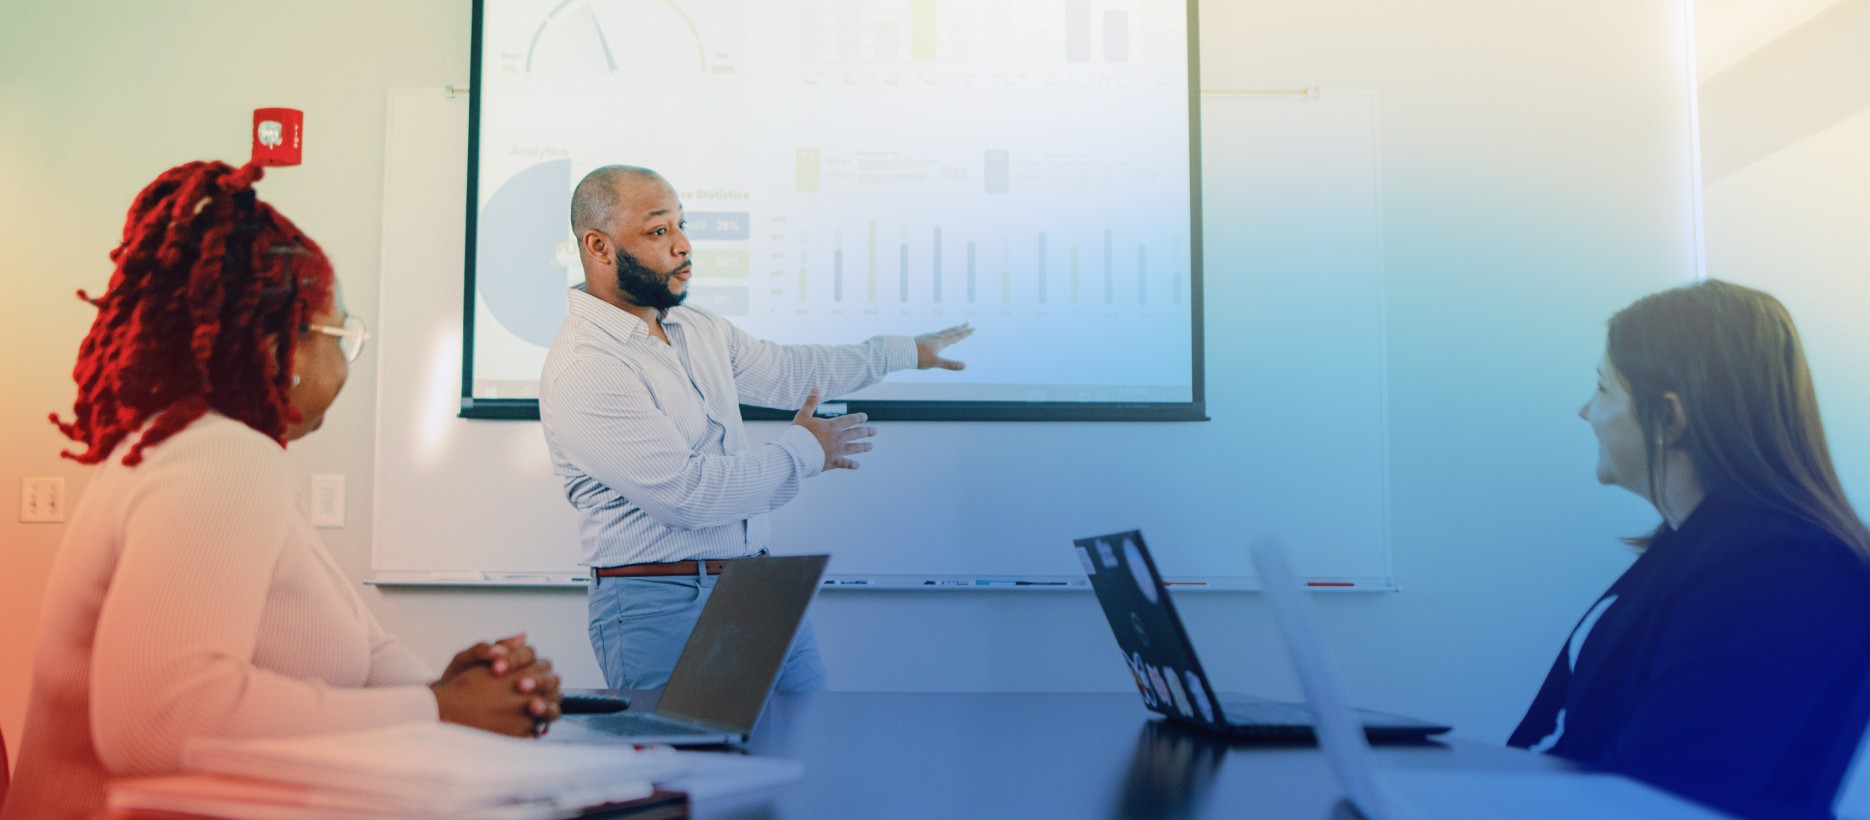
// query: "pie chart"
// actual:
[[516, 267]]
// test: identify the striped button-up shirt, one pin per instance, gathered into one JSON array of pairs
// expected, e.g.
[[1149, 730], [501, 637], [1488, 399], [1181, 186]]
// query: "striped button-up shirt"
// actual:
[[648, 438]]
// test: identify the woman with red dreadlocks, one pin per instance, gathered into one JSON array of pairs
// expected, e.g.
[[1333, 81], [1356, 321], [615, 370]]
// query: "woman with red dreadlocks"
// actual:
[[190, 598]]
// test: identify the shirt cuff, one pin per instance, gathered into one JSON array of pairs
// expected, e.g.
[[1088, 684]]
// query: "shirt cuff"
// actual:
[[805, 450], [899, 352]]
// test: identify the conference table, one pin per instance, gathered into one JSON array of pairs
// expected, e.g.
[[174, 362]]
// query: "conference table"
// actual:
[[1040, 755]]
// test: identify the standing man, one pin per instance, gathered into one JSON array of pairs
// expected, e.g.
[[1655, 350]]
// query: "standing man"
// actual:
[[641, 403]]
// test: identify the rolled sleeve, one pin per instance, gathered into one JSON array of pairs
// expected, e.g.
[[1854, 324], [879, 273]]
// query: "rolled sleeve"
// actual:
[[900, 352], [806, 452]]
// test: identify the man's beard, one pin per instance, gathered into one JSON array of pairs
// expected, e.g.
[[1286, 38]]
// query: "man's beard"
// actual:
[[646, 286]]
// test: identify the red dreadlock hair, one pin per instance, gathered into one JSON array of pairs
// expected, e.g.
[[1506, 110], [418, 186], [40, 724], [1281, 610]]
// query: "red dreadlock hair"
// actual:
[[203, 312]]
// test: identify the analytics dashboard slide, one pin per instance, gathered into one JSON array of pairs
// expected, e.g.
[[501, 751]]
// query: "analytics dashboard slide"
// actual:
[[850, 168]]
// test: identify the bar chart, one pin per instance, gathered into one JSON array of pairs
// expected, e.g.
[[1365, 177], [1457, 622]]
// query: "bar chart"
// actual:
[[980, 32], [916, 268]]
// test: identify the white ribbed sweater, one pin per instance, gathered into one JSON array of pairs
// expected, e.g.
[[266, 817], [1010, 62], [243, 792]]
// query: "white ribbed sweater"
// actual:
[[190, 598]]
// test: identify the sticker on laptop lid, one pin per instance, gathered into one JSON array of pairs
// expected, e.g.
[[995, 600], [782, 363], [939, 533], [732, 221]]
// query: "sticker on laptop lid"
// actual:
[[1084, 557], [1199, 694], [1159, 684], [1108, 555], [1175, 691], [1139, 568], [1135, 662]]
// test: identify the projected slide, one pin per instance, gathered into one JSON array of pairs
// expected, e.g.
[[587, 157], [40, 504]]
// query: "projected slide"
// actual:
[[856, 167]]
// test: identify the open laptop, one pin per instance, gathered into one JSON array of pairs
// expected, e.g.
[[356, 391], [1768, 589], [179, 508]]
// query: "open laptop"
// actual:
[[728, 666], [1440, 794], [1161, 658]]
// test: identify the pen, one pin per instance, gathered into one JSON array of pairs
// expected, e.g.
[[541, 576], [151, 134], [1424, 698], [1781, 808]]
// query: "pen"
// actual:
[[1329, 584]]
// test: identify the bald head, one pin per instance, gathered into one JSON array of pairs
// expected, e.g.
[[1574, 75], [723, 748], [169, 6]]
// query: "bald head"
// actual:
[[628, 223], [596, 199]]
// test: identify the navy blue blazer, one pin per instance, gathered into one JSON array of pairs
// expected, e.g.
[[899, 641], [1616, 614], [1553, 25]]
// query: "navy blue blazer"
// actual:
[[1731, 669]]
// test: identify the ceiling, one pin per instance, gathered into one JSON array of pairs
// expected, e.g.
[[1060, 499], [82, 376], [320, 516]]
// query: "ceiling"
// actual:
[[1726, 31]]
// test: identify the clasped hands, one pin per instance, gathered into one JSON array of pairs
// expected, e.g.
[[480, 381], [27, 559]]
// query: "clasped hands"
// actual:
[[502, 687], [841, 436]]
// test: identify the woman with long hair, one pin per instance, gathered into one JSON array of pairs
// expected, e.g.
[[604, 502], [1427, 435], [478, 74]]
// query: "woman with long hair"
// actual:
[[1730, 662], [190, 598]]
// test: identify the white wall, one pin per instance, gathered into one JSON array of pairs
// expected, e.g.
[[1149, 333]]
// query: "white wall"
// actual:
[[1786, 133], [1535, 179]]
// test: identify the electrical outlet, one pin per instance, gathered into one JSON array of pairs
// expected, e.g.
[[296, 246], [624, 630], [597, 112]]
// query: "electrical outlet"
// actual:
[[327, 500], [42, 500]]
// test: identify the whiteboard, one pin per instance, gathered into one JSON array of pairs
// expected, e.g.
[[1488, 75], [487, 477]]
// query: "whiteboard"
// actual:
[[1295, 369]]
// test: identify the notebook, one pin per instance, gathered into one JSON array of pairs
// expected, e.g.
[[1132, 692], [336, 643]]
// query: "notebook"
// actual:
[[421, 769]]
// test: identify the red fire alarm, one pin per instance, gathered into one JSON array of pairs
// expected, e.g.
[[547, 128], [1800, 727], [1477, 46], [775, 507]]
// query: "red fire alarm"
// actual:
[[278, 135]]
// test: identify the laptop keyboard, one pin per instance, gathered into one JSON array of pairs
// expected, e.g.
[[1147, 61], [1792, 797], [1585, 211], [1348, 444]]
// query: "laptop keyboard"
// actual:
[[631, 724], [1266, 713]]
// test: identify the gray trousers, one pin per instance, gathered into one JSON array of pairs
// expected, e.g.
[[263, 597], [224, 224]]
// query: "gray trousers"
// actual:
[[639, 625]]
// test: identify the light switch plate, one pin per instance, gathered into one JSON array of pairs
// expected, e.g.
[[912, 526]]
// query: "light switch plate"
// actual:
[[42, 500], [327, 501]]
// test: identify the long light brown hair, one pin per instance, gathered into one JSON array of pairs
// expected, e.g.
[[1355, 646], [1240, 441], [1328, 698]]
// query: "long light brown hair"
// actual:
[[1733, 356]]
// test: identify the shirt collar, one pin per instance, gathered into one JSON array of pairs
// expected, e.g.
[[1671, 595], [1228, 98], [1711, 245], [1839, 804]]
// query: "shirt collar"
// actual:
[[610, 318], [1713, 513]]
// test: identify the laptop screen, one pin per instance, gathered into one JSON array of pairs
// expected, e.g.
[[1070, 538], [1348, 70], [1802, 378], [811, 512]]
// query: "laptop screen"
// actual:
[[1339, 732], [1147, 628], [741, 640]]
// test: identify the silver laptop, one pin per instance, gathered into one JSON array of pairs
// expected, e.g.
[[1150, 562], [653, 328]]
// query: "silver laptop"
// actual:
[[727, 668], [1441, 794]]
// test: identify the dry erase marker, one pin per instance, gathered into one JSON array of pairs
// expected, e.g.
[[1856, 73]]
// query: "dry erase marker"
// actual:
[[1184, 583], [1329, 584]]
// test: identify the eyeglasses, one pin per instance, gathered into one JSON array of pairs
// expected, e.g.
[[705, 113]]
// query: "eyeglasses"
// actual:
[[351, 336]]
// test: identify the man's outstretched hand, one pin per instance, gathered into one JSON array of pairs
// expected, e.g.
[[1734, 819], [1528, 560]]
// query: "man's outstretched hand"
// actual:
[[838, 436], [930, 345]]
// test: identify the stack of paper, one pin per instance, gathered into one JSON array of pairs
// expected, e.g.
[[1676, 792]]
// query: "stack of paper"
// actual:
[[413, 770]]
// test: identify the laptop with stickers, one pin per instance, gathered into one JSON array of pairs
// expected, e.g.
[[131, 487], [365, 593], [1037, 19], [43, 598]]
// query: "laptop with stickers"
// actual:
[[1162, 660]]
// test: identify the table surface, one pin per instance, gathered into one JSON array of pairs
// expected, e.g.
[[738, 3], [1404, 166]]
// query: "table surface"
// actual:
[[1032, 755]]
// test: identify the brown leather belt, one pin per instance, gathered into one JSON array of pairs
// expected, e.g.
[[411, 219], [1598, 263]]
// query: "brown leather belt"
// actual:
[[668, 568]]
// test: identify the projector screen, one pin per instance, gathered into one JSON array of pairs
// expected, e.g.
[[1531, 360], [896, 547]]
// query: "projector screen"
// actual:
[[850, 168]]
